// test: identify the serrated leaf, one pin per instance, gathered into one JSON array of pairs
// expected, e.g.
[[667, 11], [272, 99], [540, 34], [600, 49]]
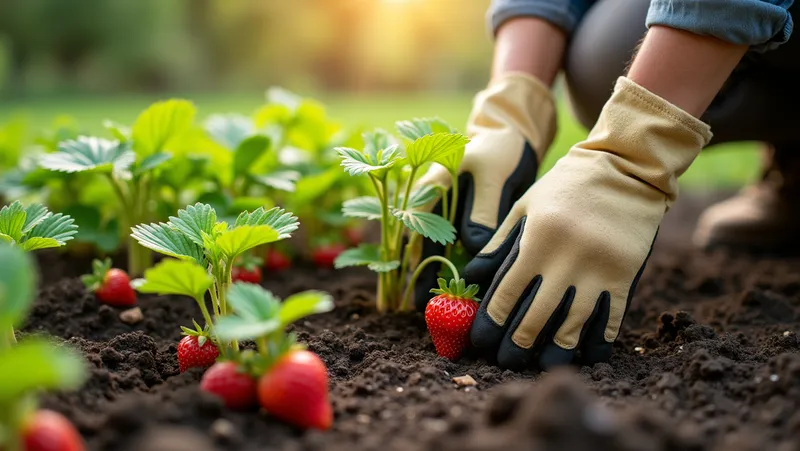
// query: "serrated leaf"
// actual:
[[35, 365], [367, 207], [229, 130], [357, 163], [176, 277], [282, 180], [194, 221], [248, 151], [430, 148], [416, 128], [377, 140], [36, 243], [422, 196], [12, 220], [89, 154], [304, 304], [17, 285], [252, 302], [243, 238], [167, 240], [277, 218], [160, 123], [57, 227], [34, 214], [151, 162], [429, 225], [365, 255], [236, 328]]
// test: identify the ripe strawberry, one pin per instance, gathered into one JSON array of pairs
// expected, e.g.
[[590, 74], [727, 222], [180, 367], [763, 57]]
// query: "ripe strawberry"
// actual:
[[247, 269], [236, 388], [295, 390], [46, 430], [276, 261], [112, 286], [325, 254], [196, 351], [449, 317]]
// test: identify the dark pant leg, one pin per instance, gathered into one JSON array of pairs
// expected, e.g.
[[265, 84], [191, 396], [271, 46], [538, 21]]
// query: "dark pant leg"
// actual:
[[754, 105]]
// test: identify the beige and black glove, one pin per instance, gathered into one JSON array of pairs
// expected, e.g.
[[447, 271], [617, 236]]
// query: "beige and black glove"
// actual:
[[565, 262], [511, 125]]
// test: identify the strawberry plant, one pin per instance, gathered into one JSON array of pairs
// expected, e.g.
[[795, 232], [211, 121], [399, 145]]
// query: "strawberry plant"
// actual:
[[128, 164], [33, 365], [34, 227], [206, 251], [392, 170], [292, 382]]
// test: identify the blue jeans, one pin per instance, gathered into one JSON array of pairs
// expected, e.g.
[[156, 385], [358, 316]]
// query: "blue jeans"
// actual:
[[761, 24]]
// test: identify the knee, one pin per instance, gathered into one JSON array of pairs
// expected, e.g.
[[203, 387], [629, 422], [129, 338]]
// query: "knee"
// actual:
[[601, 47]]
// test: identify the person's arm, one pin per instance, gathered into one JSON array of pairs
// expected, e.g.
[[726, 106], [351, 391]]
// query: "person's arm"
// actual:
[[529, 45]]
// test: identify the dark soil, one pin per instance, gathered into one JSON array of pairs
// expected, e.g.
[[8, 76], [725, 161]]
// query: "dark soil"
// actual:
[[708, 360]]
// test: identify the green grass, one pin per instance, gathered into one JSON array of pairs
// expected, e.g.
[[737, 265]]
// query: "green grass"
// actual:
[[725, 165]]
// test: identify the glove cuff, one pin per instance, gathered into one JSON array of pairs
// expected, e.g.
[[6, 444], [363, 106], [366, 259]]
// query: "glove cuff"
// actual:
[[516, 102], [647, 137]]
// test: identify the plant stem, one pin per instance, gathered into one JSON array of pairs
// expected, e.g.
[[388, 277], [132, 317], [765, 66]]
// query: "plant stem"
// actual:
[[412, 240], [215, 300], [383, 195], [418, 271], [8, 339], [202, 303], [261, 343], [453, 209]]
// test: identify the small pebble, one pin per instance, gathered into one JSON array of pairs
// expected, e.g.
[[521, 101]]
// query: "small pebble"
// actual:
[[363, 419], [131, 316], [639, 349], [223, 429], [355, 316], [436, 425], [787, 333], [465, 381], [774, 378], [399, 389]]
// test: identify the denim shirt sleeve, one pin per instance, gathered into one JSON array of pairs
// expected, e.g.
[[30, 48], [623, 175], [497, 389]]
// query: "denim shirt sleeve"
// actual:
[[761, 24], [564, 14]]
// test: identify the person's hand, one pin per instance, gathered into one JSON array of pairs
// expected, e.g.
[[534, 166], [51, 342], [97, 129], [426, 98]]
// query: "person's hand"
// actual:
[[511, 126], [565, 262]]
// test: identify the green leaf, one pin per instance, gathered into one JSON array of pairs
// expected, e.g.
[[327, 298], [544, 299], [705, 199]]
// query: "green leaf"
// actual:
[[167, 240], [194, 221], [151, 162], [12, 220], [365, 255], [176, 277], [35, 214], [118, 131], [243, 238], [429, 225], [237, 328], [89, 154], [248, 152], [36, 243], [312, 187], [417, 128], [422, 196], [367, 207], [57, 227], [357, 163], [229, 130], [277, 218], [160, 123], [283, 97], [252, 302], [430, 148], [35, 365], [377, 140], [92, 229], [282, 180], [17, 285], [304, 304]]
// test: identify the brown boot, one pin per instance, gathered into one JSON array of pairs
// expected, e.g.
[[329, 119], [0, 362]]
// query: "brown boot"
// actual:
[[764, 217]]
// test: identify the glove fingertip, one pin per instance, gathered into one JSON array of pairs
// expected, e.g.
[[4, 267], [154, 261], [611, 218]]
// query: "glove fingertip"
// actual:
[[554, 356], [475, 237]]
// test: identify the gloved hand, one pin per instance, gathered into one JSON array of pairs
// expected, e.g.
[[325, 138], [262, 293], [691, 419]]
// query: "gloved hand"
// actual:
[[565, 262], [511, 125]]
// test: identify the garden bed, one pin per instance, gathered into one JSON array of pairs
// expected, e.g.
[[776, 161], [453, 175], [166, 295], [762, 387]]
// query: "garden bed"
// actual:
[[707, 359]]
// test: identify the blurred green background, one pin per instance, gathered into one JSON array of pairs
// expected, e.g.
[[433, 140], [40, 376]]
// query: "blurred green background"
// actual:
[[371, 61]]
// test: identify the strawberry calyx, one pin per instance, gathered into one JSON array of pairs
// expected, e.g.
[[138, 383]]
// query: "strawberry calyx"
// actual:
[[249, 262], [457, 288], [202, 333], [96, 279]]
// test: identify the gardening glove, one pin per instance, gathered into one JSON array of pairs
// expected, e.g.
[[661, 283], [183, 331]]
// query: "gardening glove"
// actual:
[[511, 125], [565, 262]]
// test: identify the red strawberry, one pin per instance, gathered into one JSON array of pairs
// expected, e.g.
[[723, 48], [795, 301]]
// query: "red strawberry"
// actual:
[[46, 430], [324, 255], [276, 261], [247, 269], [196, 352], [449, 317], [112, 286], [295, 390], [235, 387]]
